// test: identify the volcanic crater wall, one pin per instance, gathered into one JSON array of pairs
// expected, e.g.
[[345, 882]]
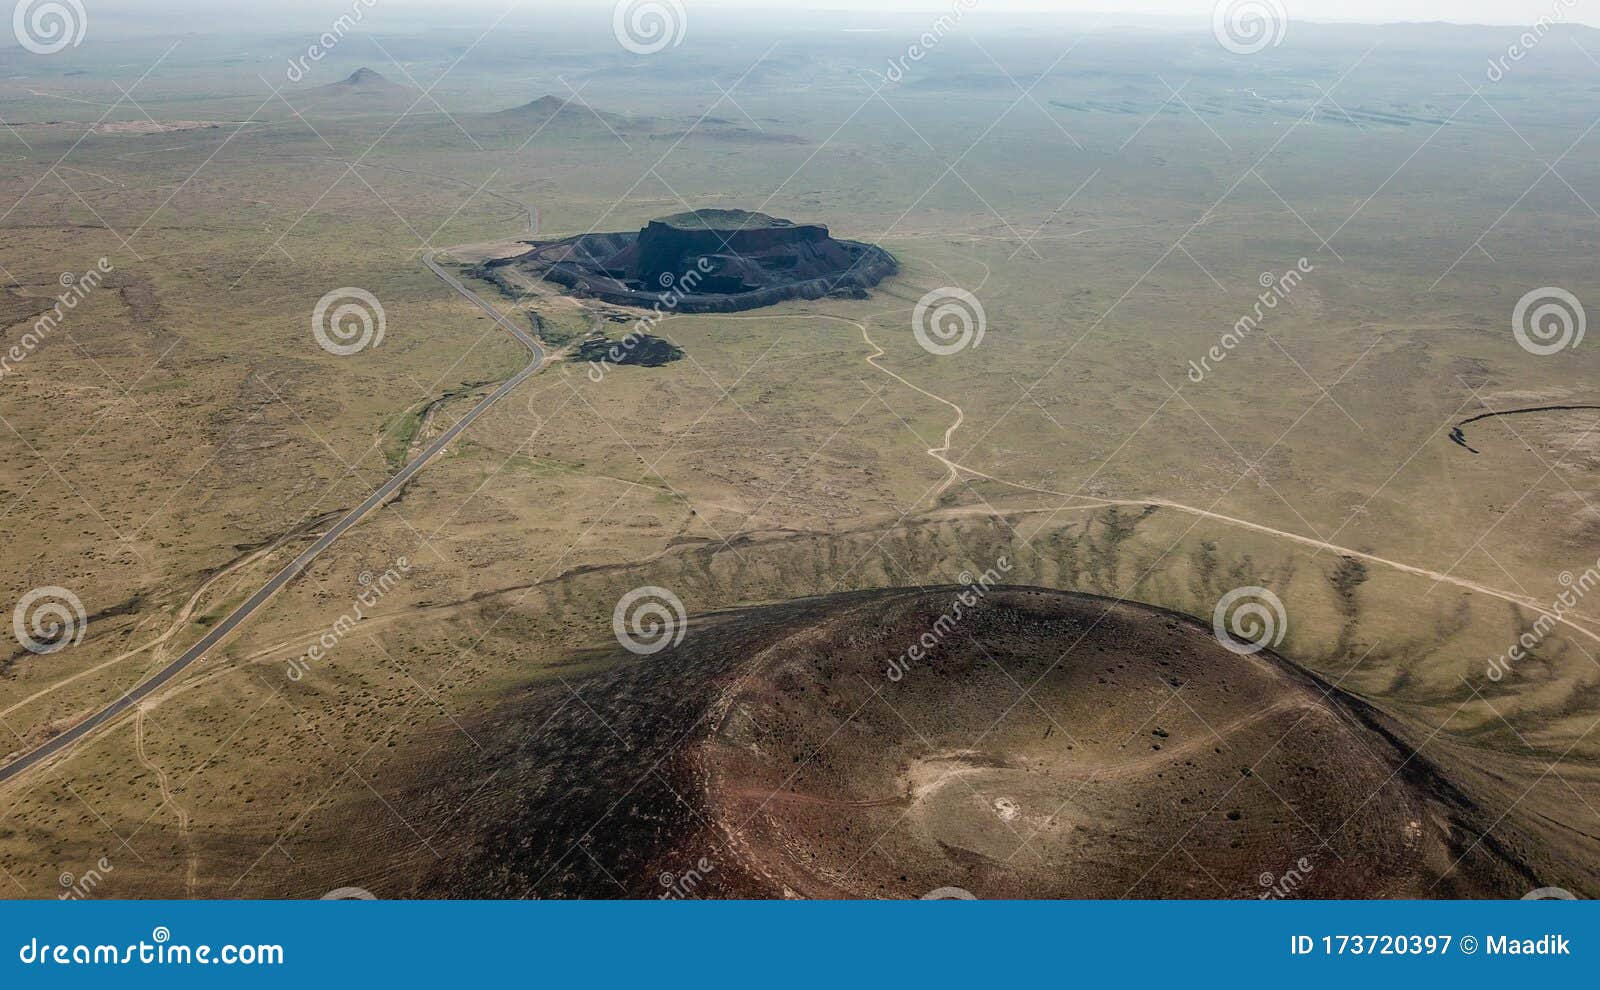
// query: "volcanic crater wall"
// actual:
[[665, 248], [710, 261]]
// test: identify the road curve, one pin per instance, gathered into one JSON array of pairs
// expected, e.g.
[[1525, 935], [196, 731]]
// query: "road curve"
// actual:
[[253, 604]]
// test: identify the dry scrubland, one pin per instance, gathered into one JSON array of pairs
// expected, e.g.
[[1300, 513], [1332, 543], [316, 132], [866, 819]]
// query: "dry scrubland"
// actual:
[[181, 436]]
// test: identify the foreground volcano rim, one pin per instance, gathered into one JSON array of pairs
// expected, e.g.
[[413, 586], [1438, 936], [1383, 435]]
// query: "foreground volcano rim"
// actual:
[[1050, 745], [1054, 745], [710, 261]]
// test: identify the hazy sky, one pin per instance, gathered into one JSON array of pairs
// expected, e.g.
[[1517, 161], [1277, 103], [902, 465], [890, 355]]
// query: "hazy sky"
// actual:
[[1458, 11], [1370, 11]]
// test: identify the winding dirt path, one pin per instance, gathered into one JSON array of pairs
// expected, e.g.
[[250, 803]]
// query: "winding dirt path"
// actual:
[[941, 454], [168, 800], [956, 469]]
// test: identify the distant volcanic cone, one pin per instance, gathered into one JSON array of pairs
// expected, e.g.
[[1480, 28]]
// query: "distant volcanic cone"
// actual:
[[364, 85]]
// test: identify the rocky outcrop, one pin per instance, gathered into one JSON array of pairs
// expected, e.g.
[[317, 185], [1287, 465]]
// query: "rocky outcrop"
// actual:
[[710, 261], [640, 349], [675, 245]]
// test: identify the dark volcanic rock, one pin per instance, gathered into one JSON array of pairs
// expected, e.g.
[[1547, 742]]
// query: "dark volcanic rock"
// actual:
[[676, 244], [637, 348], [711, 261]]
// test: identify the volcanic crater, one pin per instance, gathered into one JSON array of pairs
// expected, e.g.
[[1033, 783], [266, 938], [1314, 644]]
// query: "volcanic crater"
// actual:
[[709, 261], [1051, 745]]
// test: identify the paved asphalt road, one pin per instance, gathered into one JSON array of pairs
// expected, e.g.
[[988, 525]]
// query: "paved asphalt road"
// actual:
[[292, 571]]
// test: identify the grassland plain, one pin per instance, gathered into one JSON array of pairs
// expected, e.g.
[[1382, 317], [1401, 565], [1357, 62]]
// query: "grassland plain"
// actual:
[[182, 436]]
